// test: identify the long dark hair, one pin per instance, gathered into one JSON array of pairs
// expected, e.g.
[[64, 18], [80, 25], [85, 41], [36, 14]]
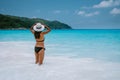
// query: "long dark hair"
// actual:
[[37, 35]]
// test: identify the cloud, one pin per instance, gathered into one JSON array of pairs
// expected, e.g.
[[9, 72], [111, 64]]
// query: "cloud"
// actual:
[[60, 12], [92, 14], [56, 11], [115, 11], [83, 13], [107, 3]]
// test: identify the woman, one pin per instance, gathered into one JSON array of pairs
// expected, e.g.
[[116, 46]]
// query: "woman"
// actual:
[[39, 36]]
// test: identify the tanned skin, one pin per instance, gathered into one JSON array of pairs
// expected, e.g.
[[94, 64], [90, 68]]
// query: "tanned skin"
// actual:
[[39, 57]]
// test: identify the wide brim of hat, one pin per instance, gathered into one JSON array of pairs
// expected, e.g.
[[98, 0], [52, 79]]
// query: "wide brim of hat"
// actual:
[[41, 29]]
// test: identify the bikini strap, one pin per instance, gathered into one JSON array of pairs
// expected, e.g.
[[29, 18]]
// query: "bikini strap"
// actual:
[[40, 41]]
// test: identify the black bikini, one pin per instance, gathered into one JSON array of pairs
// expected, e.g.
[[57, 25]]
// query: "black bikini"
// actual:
[[40, 41], [37, 49]]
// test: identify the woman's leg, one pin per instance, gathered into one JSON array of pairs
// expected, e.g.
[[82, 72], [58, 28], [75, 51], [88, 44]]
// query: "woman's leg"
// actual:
[[36, 58], [41, 56]]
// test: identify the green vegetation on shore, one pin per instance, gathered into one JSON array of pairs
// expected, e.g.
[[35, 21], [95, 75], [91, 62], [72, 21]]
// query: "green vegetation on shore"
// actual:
[[15, 22]]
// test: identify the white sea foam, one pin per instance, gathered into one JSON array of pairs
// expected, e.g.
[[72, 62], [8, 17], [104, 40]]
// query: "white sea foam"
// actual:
[[17, 63]]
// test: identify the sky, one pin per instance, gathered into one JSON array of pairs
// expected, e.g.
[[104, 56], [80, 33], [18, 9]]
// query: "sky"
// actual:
[[79, 14]]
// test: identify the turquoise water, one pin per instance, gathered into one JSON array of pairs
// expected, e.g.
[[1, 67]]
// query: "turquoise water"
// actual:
[[98, 44]]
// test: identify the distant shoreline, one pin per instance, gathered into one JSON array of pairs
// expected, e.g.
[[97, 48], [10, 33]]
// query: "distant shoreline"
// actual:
[[29, 28], [16, 22], [56, 29]]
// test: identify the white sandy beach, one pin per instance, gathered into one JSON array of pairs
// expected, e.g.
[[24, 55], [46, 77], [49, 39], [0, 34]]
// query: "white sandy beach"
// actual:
[[17, 63]]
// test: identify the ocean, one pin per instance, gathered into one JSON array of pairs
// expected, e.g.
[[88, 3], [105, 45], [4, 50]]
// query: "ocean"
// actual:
[[85, 54], [100, 44]]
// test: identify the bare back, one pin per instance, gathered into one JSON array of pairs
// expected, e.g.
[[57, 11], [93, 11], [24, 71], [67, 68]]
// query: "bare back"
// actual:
[[40, 41]]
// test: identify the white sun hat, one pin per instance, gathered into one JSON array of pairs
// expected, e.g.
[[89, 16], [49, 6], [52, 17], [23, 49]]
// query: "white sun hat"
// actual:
[[38, 27]]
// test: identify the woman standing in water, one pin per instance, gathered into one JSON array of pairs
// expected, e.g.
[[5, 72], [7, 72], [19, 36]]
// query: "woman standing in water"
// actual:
[[37, 30]]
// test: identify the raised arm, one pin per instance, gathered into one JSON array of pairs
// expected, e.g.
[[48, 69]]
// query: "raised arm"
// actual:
[[48, 30], [31, 29]]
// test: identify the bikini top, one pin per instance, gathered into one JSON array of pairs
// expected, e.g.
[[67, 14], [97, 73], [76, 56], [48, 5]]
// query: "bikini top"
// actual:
[[40, 41]]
